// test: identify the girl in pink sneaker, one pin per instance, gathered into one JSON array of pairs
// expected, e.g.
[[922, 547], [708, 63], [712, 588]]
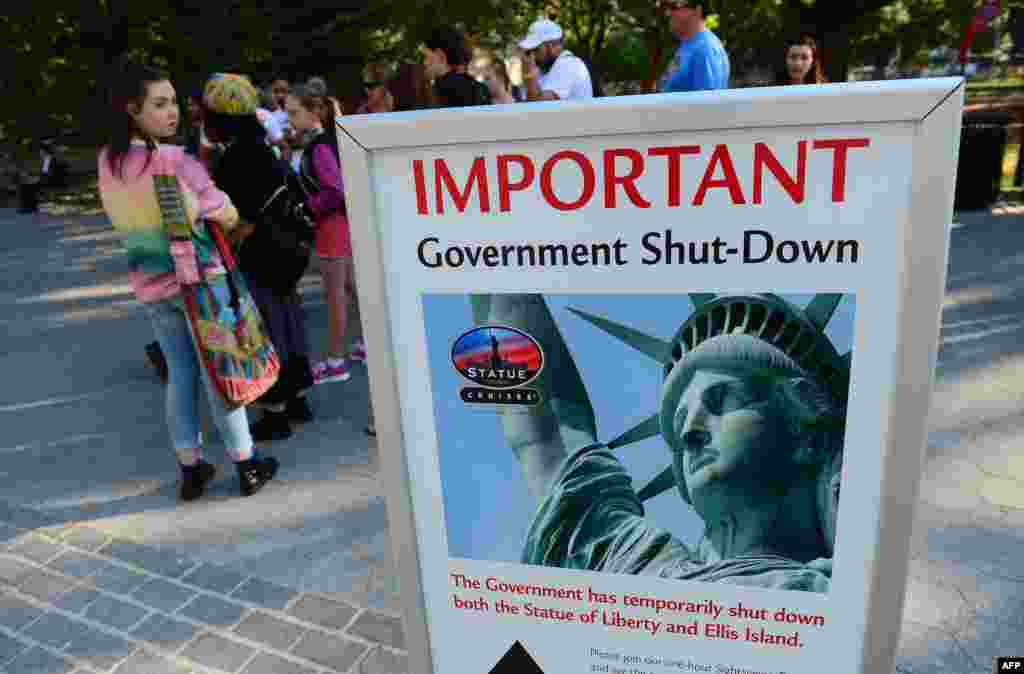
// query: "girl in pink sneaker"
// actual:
[[311, 111]]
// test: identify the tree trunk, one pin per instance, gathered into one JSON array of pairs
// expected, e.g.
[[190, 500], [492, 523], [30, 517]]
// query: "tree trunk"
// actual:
[[656, 50], [104, 33], [880, 62], [835, 46]]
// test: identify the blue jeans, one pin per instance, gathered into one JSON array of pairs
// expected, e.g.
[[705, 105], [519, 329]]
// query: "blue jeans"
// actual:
[[184, 373]]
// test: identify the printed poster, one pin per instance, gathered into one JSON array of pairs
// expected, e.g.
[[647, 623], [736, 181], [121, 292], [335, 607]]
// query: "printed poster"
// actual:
[[642, 381]]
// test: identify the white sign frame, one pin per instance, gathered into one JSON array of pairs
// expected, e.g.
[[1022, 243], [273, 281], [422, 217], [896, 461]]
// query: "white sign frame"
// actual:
[[932, 106]]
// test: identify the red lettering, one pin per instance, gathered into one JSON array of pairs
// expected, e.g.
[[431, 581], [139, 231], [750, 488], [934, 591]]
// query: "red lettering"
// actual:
[[795, 188], [675, 175], [729, 181], [628, 181], [477, 176], [505, 188], [589, 180], [421, 187], [839, 146]]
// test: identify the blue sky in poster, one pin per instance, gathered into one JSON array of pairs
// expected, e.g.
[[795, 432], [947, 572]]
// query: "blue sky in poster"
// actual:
[[487, 507]]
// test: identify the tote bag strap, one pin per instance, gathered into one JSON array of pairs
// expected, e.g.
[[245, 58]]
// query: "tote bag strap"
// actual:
[[177, 225]]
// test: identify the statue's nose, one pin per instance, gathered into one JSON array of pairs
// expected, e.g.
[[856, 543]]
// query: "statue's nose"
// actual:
[[696, 439]]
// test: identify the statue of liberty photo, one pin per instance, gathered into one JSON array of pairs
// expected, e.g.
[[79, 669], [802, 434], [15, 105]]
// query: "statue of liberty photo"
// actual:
[[752, 413]]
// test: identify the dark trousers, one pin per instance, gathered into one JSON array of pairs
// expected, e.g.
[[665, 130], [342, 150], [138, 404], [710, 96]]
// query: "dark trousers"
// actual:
[[285, 322], [28, 195]]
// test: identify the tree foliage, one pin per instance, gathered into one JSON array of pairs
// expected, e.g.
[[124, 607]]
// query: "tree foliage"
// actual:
[[58, 54]]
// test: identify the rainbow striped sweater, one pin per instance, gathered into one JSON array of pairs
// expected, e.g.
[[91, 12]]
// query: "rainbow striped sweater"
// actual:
[[130, 201]]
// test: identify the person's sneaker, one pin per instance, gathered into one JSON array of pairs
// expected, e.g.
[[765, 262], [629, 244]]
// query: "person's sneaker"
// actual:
[[195, 478], [298, 410], [157, 360], [325, 372], [271, 426], [254, 473], [358, 351]]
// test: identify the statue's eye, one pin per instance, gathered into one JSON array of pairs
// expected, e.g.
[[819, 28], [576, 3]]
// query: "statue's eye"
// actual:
[[726, 397]]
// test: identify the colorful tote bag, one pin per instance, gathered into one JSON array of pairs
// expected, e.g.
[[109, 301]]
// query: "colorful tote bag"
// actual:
[[230, 338]]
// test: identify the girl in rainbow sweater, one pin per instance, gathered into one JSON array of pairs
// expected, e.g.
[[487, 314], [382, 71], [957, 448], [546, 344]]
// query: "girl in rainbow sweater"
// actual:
[[146, 112]]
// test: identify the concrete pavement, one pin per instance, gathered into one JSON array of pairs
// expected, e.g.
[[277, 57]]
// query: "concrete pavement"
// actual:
[[102, 571], [965, 600]]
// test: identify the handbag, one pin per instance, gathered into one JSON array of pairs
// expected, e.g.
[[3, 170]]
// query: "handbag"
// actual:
[[230, 338], [278, 254], [291, 224]]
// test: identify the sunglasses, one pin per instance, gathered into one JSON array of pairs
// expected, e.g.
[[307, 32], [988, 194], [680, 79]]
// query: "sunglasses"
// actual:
[[372, 85]]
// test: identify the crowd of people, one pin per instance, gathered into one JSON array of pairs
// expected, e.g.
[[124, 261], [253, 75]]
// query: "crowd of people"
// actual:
[[262, 164]]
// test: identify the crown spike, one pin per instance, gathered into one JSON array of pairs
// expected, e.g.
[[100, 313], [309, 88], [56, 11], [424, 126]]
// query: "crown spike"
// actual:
[[700, 299], [648, 428], [652, 347], [821, 309], [665, 481]]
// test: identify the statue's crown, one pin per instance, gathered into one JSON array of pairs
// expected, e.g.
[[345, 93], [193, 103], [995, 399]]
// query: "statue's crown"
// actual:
[[798, 333]]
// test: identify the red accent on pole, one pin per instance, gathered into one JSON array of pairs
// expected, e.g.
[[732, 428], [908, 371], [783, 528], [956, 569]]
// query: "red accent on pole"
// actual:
[[986, 14]]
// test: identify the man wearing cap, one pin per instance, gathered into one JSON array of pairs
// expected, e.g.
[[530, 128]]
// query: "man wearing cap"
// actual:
[[700, 63], [553, 73]]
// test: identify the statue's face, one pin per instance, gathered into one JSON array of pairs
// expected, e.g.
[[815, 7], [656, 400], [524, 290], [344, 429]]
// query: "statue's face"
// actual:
[[730, 440]]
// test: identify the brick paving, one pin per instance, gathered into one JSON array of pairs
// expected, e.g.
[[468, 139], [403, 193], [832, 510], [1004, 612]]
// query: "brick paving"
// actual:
[[73, 600]]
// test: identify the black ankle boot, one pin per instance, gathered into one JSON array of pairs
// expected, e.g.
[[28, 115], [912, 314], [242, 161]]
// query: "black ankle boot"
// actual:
[[255, 472], [271, 426], [298, 410], [195, 478]]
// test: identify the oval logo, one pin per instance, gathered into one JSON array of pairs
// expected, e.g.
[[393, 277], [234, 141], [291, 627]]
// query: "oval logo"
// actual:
[[498, 357]]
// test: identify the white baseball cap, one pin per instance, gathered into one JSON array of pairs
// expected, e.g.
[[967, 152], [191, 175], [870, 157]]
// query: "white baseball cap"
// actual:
[[542, 30]]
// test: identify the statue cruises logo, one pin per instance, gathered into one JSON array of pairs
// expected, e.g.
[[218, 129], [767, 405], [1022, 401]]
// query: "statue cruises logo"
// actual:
[[501, 361]]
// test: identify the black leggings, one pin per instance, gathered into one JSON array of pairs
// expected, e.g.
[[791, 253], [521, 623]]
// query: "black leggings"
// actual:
[[284, 320]]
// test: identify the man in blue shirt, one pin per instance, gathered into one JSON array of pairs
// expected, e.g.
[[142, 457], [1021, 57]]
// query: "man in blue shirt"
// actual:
[[700, 63]]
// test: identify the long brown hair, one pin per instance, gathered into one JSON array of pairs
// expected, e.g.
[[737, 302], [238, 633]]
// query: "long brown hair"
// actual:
[[816, 75], [313, 96], [129, 87], [411, 88]]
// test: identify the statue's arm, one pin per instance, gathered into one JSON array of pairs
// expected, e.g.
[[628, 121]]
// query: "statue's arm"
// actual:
[[541, 436]]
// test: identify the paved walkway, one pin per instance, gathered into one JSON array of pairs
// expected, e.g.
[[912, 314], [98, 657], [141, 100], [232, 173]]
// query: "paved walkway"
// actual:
[[102, 571], [965, 600], [78, 600]]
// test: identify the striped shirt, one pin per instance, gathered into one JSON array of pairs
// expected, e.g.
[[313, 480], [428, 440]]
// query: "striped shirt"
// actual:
[[131, 204]]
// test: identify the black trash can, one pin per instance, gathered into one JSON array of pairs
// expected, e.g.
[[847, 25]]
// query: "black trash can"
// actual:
[[980, 167]]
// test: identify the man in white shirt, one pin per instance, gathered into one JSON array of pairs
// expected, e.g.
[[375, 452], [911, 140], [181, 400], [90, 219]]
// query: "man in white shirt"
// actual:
[[552, 73], [276, 133], [276, 121]]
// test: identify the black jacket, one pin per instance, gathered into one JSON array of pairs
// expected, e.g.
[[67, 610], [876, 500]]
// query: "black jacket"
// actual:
[[250, 174], [456, 89]]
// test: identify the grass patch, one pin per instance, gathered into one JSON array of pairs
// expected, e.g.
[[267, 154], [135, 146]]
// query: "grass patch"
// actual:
[[79, 198], [1008, 83]]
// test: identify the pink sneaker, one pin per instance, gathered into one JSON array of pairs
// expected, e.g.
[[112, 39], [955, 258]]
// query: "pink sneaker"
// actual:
[[358, 351], [324, 372]]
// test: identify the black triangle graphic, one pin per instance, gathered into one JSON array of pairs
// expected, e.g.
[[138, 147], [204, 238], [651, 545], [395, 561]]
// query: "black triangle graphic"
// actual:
[[517, 661]]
